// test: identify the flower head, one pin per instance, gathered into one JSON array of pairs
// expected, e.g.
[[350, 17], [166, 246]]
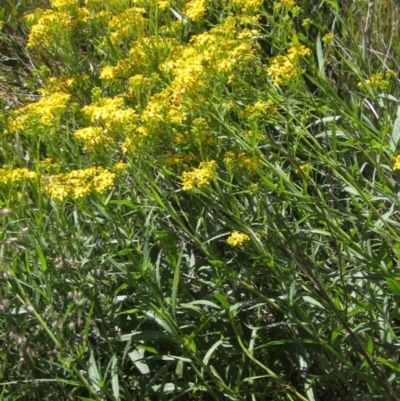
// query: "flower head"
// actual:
[[199, 177], [237, 239], [396, 160]]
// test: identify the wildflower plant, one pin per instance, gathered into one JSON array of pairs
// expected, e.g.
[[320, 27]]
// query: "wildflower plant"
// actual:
[[198, 200]]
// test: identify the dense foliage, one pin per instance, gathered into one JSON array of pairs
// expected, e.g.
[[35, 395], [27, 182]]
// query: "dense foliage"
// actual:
[[199, 200]]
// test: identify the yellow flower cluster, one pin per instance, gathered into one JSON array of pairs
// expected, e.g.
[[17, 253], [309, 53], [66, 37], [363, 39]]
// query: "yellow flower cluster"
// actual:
[[288, 5], [45, 163], [396, 160], [137, 80], [52, 27], [241, 161], [283, 68], [121, 70], [237, 239], [64, 4], [328, 38], [307, 22], [187, 69], [208, 53], [78, 183], [259, 109], [199, 177], [92, 137], [149, 48], [127, 24], [16, 176], [195, 9], [303, 167], [163, 4], [156, 108], [200, 132], [285, 3], [179, 158], [248, 5], [46, 111], [61, 84], [111, 112], [379, 80], [47, 166], [135, 140], [191, 67], [119, 166]]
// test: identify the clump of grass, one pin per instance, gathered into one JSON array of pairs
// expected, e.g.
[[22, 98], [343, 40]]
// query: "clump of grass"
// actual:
[[199, 201]]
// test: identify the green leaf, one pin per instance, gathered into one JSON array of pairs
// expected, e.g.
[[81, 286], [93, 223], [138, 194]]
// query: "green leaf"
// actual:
[[114, 377], [209, 353], [395, 132], [42, 258], [147, 348], [93, 373], [295, 38], [320, 56], [222, 300], [179, 369], [175, 283], [394, 286], [136, 357], [313, 301], [202, 302], [392, 365]]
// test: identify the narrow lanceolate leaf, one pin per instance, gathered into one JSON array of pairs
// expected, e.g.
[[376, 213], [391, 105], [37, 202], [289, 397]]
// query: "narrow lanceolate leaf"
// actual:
[[394, 140], [394, 286], [320, 56], [42, 258], [179, 16], [136, 357], [93, 373], [114, 377], [175, 283], [313, 301], [210, 352]]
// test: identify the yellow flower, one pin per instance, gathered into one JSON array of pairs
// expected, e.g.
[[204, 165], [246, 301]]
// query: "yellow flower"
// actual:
[[195, 9], [241, 161], [328, 38], [78, 183], [108, 73], [297, 51], [92, 137], [111, 112], [396, 160], [47, 111], [379, 80], [288, 3], [253, 188], [137, 80], [248, 5], [199, 177], [52, 28], [302, 167], [64, 4], [16, 176], [284, 68], [307, 22], [237, 239], [259, 109], [119, 166], [163, 4]]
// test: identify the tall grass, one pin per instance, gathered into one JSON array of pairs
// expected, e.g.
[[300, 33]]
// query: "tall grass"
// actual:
[[199, 200]]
